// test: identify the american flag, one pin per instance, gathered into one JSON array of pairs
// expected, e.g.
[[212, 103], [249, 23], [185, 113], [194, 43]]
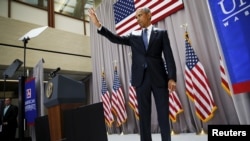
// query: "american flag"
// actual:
[[109, 119], [175, 106], [224, 78], [124, 12], [197, 87], [133, 100], [118, 100]]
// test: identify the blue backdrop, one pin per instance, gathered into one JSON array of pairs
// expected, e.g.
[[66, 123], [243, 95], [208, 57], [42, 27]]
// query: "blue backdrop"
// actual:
[[232, 22]]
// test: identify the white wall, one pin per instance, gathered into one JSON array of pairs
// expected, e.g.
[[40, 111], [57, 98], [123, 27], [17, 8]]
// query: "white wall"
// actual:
[[4, 8], [28, 14], [69, 24]]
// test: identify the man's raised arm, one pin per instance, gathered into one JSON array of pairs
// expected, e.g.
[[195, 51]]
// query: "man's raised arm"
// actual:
[[93, 17]]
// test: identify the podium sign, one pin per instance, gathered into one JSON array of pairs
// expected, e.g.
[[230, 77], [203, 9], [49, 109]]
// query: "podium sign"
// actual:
[[62, 93], [62, 90]]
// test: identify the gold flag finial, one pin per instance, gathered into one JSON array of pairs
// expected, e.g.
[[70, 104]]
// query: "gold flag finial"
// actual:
[[185, 25], [186, 33], [103, 74], [115, 64]]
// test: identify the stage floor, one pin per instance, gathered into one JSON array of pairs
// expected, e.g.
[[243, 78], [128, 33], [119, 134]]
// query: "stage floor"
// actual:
[[156, 137]]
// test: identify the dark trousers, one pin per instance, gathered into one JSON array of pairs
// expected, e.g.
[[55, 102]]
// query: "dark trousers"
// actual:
[[161, 97], [8, 133]]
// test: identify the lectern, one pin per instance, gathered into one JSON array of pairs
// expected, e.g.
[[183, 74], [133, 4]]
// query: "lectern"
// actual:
[[62, 93]]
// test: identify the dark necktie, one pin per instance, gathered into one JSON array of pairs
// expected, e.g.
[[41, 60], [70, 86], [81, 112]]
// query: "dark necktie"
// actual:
[[145, 37]]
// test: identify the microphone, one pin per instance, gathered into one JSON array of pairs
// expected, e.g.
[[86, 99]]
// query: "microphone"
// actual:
[[53, 73]]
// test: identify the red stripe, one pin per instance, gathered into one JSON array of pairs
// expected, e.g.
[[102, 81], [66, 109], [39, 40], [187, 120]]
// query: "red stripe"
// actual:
[[168, 14], [176, 99], [202, 106], [133, 100], [241, 87], [201, 94], [200, 114], [174, 105], [188, 84], [222, 69], [225, 83]]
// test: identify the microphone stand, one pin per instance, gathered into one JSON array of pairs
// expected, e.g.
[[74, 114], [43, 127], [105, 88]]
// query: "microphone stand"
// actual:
[[21, 85], [21, 94], [25, 41], [4, 85]]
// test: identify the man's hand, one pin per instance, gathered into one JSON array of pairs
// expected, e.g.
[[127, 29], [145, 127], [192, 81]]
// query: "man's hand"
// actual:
[[171, 85], [93, 17]]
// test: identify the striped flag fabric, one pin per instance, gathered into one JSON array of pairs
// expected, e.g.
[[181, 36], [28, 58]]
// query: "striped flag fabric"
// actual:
[[197, 87], [224, 78], [118, 100], [124, 12], [133, 100], [175, 106], [105, 97]]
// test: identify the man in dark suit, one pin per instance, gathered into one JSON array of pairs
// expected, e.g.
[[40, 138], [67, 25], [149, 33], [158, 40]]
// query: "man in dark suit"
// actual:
[[148, 70], [8, 121]]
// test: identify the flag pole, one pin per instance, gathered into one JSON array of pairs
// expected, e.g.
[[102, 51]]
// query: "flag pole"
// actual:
[[202, 132], [172, 130]]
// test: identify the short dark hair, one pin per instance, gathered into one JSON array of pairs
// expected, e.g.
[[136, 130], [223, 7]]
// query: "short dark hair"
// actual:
[[146, 10], [7, 98]]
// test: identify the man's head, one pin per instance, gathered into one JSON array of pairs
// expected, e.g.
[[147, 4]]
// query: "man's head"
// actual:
[[143, 16], [7, 101]]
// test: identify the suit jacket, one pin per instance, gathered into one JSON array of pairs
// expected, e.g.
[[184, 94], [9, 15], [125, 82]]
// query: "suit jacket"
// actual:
[[158, 47], [10, 116]]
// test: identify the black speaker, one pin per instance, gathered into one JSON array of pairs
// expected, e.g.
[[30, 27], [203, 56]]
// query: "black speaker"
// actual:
[[10, 71], [85, 123], [42, 128]]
